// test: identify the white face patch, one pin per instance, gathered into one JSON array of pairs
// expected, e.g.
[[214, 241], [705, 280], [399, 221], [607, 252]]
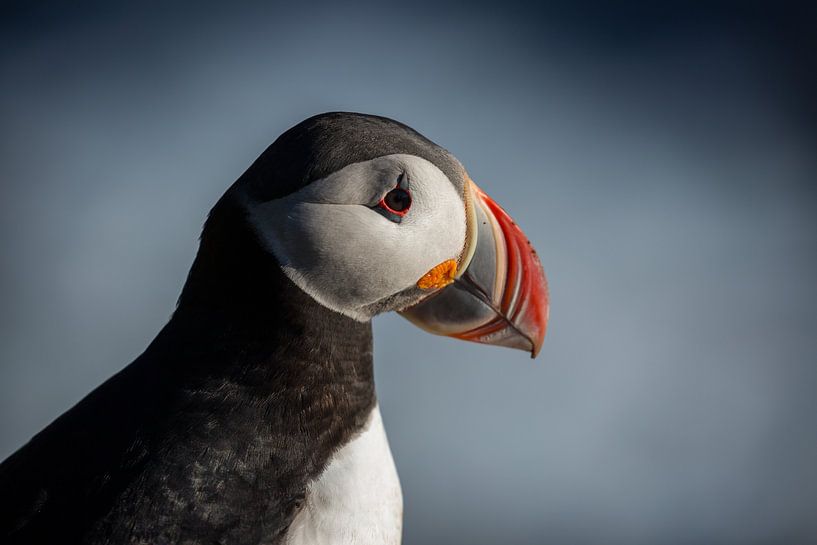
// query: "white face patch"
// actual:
[[346, 255]]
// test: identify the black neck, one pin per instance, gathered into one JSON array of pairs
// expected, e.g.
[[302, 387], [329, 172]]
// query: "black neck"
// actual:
[[214, 433], [255, 365], [238, 301]]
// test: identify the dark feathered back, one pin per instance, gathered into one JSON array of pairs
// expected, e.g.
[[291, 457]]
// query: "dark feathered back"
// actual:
[[212, 434]]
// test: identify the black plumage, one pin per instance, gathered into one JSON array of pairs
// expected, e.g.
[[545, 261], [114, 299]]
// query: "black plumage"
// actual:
[[213, 433]]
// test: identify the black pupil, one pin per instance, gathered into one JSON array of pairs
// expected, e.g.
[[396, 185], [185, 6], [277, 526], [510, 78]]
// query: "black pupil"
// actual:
[[398, 199]]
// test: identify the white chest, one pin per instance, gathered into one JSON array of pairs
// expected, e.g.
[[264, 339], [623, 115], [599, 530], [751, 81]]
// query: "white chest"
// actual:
[[357, 499]]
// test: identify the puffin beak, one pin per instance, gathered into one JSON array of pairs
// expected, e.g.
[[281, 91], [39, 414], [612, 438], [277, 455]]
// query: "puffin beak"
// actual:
[[498, 294]]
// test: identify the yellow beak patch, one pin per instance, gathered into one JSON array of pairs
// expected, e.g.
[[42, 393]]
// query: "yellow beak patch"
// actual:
[[438, 277]]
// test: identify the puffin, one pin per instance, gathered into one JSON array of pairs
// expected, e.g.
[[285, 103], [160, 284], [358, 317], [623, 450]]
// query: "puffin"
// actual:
[[252, 417]]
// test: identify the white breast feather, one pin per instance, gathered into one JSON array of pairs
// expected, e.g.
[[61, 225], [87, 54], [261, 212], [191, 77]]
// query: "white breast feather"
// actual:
[[357, 499]]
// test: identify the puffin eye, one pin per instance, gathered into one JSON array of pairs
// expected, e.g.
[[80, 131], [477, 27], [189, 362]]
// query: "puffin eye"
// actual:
[[397, 201]]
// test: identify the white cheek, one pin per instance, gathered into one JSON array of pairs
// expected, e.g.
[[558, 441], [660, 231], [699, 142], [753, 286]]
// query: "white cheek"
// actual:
[[346, 256]]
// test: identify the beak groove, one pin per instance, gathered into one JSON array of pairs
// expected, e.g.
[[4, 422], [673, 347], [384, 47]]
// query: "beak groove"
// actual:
[[495, 326], [500, 294]]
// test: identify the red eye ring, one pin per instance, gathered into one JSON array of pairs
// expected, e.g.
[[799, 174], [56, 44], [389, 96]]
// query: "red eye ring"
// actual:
[[397, 201]]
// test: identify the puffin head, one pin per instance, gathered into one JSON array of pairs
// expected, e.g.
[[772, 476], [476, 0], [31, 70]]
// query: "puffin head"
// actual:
[[366, 215]]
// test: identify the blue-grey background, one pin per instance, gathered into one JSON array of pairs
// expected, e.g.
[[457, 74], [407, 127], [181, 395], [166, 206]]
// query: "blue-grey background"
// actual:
[[662, 158]]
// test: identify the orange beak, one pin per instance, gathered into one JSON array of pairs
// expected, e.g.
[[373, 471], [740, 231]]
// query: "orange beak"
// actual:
[[499, 292]]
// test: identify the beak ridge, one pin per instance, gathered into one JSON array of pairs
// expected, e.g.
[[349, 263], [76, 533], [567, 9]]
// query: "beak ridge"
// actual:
[[499, 295]]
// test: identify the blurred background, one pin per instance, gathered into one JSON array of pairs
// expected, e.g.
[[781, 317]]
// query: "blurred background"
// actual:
[[662, 157]]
